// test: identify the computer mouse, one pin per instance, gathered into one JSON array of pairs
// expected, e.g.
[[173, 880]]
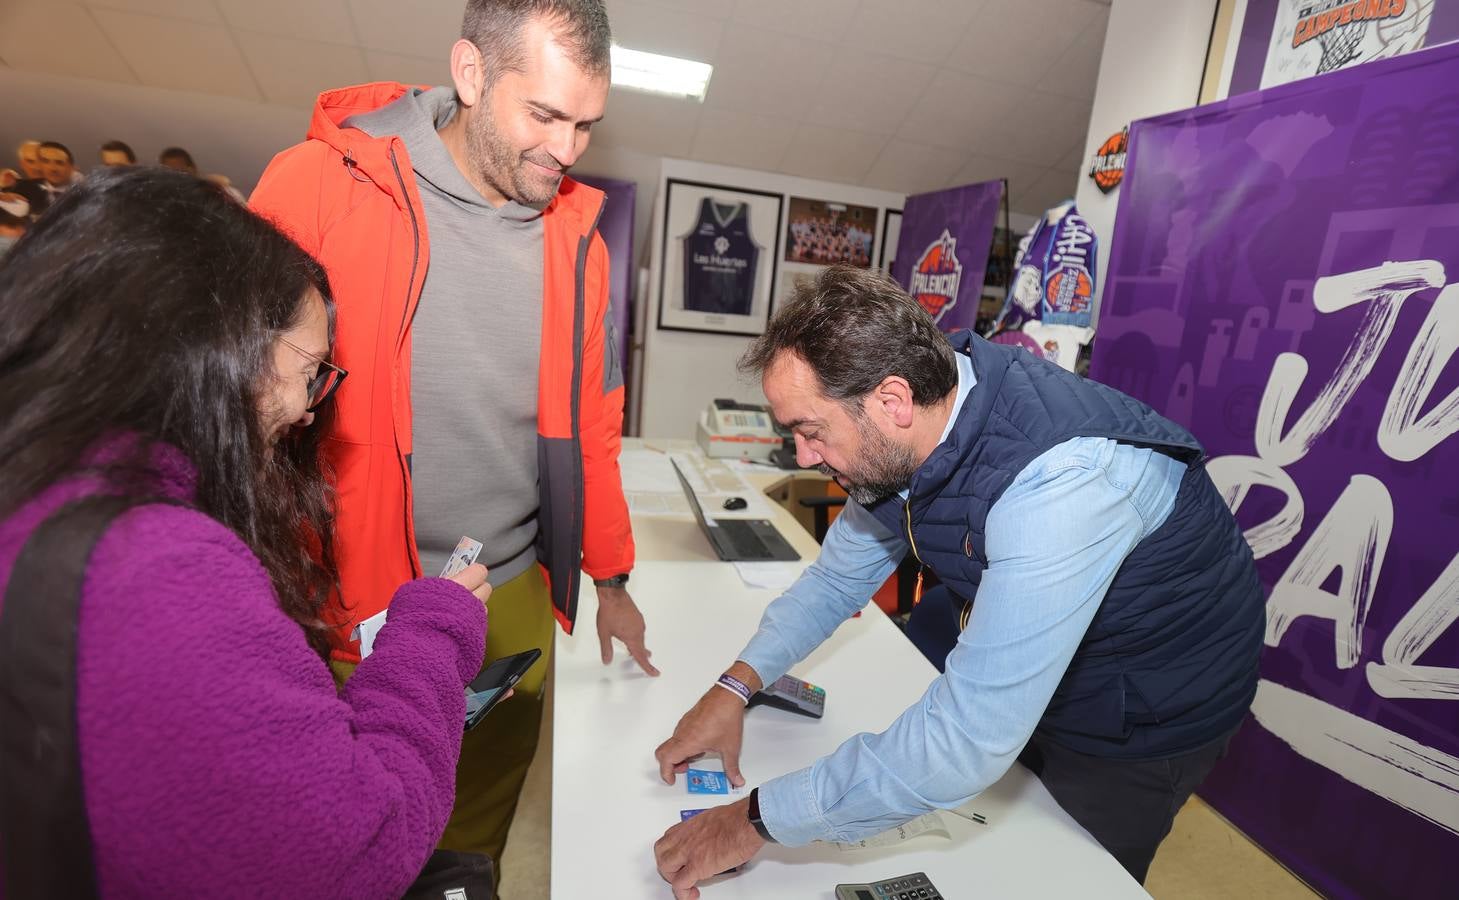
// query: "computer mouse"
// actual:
[[735, 503]]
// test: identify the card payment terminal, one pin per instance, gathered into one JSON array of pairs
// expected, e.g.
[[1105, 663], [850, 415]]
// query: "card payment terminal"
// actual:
[[793, 695]]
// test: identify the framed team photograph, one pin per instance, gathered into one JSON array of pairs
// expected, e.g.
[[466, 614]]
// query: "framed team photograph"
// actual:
[[718, 262], [823, 232]]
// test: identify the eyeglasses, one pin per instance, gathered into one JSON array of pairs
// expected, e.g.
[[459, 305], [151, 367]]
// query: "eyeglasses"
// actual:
[[323, 385]]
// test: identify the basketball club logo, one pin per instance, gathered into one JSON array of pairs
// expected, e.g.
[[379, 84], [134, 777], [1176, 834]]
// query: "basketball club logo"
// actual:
[[1108, 169], [937, 275], [1069, 285]]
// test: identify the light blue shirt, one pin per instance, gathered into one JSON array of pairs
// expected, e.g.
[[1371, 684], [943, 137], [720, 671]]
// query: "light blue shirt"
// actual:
[[1055, 539]]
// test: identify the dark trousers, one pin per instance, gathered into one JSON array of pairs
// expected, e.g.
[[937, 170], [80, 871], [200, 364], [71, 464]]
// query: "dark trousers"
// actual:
[[1126, 805]]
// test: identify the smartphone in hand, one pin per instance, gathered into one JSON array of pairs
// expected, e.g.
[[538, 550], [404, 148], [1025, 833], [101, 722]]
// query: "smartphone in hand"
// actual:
[[487, 689]]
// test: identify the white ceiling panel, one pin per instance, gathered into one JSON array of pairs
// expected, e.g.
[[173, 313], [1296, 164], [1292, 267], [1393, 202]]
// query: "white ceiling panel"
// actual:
[[1019, 42], [1077, 71], [961, 112], [920, 30], [58, 38], [293, 72], [648, 123], [914, 168], [407, 69], [315, 20], [659, 29], [708, 10], [1042, 127], [193, 10], [741, 139], [897, 94], [764, 72], [834, 154], [822, 20], [179, 54], [868, 92], [418, 28]]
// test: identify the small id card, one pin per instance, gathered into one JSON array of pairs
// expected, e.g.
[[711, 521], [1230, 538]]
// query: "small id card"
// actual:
[[704, 781], [464, 555]]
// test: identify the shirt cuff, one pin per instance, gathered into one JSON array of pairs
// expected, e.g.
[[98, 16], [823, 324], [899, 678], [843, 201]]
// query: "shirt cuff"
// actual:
[[768, 657], [789, 810]]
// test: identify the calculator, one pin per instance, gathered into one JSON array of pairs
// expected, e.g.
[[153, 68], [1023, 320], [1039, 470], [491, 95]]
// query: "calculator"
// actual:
[[793, 695], [907, 887]]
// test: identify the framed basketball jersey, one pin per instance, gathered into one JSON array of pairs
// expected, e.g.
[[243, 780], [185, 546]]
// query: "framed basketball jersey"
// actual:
[[715, 268], [720, 260]]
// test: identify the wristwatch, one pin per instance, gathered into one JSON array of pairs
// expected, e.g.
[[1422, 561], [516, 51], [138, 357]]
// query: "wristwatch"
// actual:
[[616, 581], [755, 819]]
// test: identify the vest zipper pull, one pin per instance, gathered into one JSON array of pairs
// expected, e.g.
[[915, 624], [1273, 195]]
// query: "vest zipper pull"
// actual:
[[921, 566]]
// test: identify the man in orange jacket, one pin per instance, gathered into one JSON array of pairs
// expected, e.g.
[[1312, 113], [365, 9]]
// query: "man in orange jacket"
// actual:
[[485, 395]]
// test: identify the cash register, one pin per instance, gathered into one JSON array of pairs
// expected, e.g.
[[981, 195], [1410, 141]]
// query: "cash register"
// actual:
[[729, 429]]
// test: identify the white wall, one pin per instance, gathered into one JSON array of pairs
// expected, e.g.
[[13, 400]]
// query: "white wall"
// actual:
[[629, 165], [682, 370], [1154, 54], [225, 135]]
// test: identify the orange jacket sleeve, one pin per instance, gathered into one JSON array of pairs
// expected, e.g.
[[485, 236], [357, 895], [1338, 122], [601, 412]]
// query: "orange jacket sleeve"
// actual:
[[607, 534], [288, 193]]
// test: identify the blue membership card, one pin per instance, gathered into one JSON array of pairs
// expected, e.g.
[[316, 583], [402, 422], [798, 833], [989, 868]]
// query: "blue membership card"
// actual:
[[707, 781]]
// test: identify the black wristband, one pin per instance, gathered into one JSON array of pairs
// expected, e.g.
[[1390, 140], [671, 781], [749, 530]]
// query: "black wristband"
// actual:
[[616, 581], [755, 820]]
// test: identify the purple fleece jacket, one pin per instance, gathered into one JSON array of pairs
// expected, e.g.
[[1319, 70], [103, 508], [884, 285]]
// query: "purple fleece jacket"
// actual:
[[217, 758]]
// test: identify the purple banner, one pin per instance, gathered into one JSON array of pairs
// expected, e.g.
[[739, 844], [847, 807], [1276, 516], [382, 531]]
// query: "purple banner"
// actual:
[[1277, 283], [942, 252], [616, 227], [1282, 41]]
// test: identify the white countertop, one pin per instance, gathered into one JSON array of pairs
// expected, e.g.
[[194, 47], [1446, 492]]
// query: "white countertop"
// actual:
[[609, 806]]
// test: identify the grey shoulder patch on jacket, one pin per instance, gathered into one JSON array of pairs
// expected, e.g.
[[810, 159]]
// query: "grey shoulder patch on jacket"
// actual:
[[612, 358]]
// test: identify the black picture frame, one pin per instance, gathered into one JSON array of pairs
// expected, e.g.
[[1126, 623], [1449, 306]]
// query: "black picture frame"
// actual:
[[752, 325], [886, 228]]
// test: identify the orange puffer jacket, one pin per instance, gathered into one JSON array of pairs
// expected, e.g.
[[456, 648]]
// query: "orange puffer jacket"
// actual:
[[350, 199]]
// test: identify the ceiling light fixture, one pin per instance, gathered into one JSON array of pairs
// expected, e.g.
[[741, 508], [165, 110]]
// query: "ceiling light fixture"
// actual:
[[656, 74]]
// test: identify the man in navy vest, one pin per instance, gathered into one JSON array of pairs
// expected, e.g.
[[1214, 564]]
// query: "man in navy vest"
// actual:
[[1112, 617]]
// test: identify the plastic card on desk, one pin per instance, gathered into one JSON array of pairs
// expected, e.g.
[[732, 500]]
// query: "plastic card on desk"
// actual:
[[701, 781], [707, 776]]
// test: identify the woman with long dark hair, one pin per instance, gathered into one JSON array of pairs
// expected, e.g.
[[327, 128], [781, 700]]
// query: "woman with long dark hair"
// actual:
[[159, 341]]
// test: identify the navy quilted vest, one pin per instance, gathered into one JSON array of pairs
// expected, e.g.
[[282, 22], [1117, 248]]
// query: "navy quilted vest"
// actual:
[[1170, 661]]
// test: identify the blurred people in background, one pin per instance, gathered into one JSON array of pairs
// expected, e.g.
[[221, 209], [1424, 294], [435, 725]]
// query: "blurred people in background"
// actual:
[[27, 181], [58, 167], [30, 165], [179, 159], [14, 220], [117, 153]]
